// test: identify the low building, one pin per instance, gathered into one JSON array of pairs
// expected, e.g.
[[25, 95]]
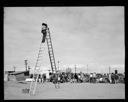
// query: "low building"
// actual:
[[18, 76]]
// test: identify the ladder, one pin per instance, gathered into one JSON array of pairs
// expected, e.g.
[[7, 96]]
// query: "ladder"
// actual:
[[38, 62], [51, 53]]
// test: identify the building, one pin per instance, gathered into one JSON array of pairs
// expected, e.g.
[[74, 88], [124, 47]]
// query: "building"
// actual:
[[16, 76]]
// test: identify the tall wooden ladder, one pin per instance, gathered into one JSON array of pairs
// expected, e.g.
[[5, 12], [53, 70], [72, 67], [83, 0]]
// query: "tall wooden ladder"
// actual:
[[38, 62], [50, 52]]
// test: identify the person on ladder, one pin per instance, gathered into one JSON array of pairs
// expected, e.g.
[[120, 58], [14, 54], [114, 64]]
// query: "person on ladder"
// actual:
[[44, 31]]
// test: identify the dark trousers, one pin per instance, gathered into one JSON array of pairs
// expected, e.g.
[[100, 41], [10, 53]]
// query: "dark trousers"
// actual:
[[43, 39]]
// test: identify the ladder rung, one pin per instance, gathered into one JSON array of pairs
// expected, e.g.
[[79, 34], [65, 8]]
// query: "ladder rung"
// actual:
[[51, 55], [48, 39], [53, 64], [52, 59], [50, 49], [49, 45], [50, 52], [48, 36], [49, 42]]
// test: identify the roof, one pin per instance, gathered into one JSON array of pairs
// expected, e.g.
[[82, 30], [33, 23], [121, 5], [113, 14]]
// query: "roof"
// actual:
[[18, 72]]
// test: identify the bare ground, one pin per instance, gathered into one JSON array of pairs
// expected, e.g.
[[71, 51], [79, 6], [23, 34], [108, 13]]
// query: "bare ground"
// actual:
[[13, 90]]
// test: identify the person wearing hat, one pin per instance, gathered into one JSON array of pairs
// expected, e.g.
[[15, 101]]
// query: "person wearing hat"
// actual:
[[44, 31]]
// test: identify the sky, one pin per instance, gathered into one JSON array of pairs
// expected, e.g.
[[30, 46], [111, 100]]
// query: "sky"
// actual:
[[81, 36]]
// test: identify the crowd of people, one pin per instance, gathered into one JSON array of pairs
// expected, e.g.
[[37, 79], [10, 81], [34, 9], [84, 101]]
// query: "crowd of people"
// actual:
[[64, 77]]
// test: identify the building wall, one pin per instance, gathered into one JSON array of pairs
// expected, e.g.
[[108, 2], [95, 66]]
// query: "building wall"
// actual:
[[12, 78], [20, 77], [6, 77]]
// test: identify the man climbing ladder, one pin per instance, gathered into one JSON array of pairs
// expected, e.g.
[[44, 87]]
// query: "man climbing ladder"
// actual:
[[46, 35], [44, 31]]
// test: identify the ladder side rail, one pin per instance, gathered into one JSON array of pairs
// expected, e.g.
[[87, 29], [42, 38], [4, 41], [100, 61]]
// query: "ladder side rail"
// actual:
[[50, 43], [35, 84], [38, 56], [50, 61], [49, 51], [51, 47], [34, 73]]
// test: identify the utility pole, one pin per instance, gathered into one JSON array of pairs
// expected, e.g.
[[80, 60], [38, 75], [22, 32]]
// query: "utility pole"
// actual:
[[87, 68], [29, 70], [58, 65], [75, 68], [109, 69], [26, 64], [49, 71], [14, 68]]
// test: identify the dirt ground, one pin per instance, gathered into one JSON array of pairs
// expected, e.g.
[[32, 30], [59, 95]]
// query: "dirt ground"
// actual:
[[13, 90]]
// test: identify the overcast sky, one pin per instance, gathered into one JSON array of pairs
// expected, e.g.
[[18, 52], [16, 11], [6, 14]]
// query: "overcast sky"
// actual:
[[80, 35]]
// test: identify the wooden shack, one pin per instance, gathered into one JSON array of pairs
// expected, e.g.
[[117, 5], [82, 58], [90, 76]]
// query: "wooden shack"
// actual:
[[18, 76]]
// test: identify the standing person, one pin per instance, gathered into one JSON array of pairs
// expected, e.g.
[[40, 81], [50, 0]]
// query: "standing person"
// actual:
[[79, 78], [110, 79], [56, 80], [91, 77], [76, 77], [116, 78], [71, 78], [44, 78], [94, 77], [39, 78], [44, 31]]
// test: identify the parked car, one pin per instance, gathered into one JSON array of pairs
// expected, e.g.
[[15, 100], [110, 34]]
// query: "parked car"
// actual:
[[29, 79]]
